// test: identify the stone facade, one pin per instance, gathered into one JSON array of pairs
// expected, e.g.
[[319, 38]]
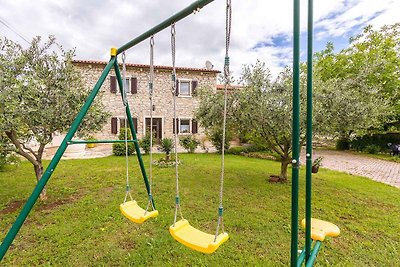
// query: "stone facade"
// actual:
[[139, 102]]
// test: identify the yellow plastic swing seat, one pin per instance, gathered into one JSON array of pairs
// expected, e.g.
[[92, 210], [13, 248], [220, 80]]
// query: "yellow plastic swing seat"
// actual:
[[135, 213], [195, 239], [320, 229]]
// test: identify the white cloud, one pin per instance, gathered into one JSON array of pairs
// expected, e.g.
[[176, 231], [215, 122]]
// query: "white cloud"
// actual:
[[93, 27]]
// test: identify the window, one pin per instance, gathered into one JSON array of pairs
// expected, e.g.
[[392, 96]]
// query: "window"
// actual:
[[130, 85], [184, 126], [185, 87], [119, 122]]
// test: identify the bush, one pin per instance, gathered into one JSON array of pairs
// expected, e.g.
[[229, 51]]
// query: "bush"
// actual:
[[237, 150], [145, 143], [342, 144], [6, 156], [381, 140], [119, 148], [216, 139], [189, 142], [166, 146], [372, 149]]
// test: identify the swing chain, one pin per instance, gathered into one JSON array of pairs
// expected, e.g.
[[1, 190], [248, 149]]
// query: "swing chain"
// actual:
[[125, 101], [173, 91], [227, 81], [151, 82]]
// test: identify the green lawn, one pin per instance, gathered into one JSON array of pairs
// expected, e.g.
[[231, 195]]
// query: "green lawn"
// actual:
[[80, 224]]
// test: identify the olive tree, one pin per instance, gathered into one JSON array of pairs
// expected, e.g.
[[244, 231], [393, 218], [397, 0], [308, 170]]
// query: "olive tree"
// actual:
[[40, 95]]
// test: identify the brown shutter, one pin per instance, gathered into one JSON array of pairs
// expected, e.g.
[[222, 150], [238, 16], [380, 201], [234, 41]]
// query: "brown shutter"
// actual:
[[114, 122], [135, 124], [177, 87], [194, 126], [194, 85], [113, 85], [174, 125], [134, 85]]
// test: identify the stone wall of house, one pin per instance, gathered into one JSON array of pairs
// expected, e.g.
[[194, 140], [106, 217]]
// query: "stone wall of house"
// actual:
[[140, 104]]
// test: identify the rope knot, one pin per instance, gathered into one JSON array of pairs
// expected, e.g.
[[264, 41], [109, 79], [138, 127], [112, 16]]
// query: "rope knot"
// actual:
[[220, 211]]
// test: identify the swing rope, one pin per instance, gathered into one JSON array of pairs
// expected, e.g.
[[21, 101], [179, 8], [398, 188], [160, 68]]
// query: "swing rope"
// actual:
[[226, 82], [125, 101], [173, 91], [151, 81]]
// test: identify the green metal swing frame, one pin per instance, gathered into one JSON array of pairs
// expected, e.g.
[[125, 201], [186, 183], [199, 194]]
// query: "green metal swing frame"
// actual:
[[309, 253]]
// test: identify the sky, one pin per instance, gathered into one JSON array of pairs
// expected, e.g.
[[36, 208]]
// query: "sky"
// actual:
[[260, 29]]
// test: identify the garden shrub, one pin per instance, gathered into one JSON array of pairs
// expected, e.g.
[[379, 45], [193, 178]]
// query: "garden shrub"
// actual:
[[342, 144], [145, 143], [166, 146], [119, 148], [380, 139], [189, 142], [372, 149]]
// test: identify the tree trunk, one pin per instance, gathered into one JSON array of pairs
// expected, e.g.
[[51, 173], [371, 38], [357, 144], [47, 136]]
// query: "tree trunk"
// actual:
[[167, 158], [284, 166], [39, 173]]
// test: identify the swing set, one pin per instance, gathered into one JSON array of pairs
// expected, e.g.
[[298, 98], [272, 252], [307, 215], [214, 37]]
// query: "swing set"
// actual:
[[181, 230]]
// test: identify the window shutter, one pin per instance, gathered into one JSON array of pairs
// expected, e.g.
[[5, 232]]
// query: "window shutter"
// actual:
[[175, 124], [135, 124], [194, 126], [194, 85], [134, 85], [177, 87], [113, 85], [114, 122]]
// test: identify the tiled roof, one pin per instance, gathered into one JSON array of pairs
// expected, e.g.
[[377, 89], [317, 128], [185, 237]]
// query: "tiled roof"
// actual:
[[95, 62]]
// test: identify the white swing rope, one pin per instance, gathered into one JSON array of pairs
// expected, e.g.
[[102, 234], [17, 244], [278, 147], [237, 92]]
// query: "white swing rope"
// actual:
[[151, 82], [226, 82], [125, 101], [173, 91]]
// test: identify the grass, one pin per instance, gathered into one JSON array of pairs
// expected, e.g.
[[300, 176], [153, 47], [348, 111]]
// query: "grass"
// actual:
[[384, 156], [80, 224]]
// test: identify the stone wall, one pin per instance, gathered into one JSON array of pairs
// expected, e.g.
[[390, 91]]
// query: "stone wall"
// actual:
[[140, 104]]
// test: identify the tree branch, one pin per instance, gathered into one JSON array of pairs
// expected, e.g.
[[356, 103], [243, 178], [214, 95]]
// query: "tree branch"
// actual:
[[12, 136]]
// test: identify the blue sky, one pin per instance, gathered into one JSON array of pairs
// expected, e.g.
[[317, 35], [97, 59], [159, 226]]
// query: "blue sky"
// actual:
[[260, 30]]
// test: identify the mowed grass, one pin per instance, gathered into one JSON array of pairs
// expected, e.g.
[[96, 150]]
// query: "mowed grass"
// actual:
[[80, 224]]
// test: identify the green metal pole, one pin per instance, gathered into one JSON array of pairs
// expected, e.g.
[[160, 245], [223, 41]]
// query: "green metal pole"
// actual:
[[133, 132], [53, 164], [73, 142], [309, 129], [295, 132], [314, 254], [301, 258], [197, 5]]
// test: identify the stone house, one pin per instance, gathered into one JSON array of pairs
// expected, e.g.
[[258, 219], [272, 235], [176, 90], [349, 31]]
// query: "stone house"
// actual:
[[137, 77]]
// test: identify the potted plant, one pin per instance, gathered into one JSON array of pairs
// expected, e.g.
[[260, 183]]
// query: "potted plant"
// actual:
[[316, 164], [90, 138]]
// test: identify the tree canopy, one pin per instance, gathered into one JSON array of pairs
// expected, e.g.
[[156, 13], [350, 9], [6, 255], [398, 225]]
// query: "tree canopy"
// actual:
[[40, 94]]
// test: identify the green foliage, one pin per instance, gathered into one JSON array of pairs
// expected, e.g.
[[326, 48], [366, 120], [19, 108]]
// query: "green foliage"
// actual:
[[88, 192], [358, 87], [145, 143], [41, 92], [379, 139], [189, 142], [119, 149], [7, 156], [216, 139], [372, 149], [166, 146], [342, 144]]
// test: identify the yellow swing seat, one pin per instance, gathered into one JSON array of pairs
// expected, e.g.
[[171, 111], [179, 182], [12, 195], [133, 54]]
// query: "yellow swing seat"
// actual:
[[195, 239], [135, 213], [320, 229]]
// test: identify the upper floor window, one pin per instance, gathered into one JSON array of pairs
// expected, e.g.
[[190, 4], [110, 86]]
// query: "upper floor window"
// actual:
[[131, 85], [185, 87]]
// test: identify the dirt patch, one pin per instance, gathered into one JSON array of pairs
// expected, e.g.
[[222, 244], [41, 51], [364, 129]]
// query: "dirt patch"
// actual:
[[13, 206]]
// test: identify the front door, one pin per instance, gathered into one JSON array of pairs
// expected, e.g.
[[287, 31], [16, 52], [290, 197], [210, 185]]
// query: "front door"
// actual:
[[157, 128]]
